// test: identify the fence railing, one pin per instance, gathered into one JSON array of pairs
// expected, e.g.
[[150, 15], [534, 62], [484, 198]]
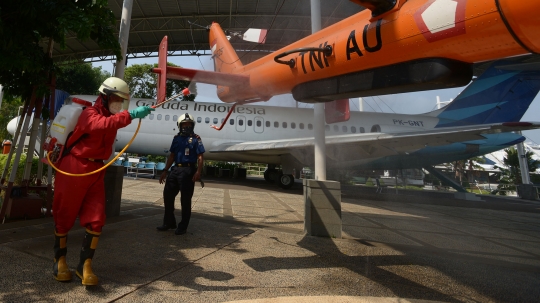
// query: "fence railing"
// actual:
[[255, 170]]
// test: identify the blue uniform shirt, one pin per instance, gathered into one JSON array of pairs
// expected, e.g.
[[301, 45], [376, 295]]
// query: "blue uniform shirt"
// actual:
[[186, 148]]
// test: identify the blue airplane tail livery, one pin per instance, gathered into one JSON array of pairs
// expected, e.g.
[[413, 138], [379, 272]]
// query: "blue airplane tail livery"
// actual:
[[502, 93]]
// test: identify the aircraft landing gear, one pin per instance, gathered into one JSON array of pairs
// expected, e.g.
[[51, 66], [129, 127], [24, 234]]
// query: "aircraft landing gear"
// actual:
[[286, 181], [271, 175]]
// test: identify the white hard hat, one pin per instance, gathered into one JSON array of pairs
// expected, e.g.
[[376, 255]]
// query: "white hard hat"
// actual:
[[115, 86], [185, 118]]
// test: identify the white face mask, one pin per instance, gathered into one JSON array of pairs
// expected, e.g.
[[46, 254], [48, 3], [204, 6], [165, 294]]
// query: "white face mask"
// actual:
[[115, 107]]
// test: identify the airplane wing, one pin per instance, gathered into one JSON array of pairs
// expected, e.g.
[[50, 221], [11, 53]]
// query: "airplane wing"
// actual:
[[370, 145], [208, 77]]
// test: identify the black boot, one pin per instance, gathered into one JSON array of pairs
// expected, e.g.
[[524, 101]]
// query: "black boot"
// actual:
[[180, 231], [61, 270], [84, 269]]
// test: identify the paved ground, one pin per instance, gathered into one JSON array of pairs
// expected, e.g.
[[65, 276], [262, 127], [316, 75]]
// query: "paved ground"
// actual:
[[246, 242]]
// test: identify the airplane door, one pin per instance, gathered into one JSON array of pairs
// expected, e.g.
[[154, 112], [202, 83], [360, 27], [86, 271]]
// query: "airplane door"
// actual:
[[240, 123], [259, 124]]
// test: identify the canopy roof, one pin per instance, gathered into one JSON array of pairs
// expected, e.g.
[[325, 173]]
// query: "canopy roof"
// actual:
[[151, 20]]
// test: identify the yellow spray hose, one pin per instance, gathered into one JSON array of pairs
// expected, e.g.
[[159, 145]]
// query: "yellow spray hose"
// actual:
[[185, 92], [102, 168]]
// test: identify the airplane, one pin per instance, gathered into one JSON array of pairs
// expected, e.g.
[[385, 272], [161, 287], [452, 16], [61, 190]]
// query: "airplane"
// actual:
[[478, 121], [394, 46]]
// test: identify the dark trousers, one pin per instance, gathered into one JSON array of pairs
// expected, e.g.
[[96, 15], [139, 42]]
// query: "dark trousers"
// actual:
[[180, 179]]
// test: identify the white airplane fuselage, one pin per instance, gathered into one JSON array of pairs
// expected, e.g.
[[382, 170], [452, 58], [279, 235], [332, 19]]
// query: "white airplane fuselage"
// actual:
[[251, 123]]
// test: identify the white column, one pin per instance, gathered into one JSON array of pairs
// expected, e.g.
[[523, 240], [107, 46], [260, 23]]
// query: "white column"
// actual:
[[523, 165], [318, 121], [123, 37]]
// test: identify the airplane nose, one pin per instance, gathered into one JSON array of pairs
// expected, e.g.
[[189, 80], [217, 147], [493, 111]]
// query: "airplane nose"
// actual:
[[12, 126], [521, 18]]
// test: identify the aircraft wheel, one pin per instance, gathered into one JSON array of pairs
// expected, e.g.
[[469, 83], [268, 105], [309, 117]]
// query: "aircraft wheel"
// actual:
[[286, 181], [271, 175]]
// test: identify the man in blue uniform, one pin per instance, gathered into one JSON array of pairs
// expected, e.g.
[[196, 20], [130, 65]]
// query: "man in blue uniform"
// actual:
[[186, 153]]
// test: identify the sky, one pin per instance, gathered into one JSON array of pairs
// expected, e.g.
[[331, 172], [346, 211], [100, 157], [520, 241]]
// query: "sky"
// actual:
[[410, 103]]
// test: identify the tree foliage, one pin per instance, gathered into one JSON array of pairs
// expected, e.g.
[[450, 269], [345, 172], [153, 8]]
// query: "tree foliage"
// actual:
[[511, 174], [80, 78], [143, 83], [26, 27]]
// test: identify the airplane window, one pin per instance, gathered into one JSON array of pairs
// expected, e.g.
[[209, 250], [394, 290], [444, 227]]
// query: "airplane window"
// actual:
[[151, 116], [175, 118], [276, 124], [267, 123], [259, 123], [344, 128], [222, 120], [231, 121], [249, 122], [376, 128], [215, 121], [336, 128], [199, 119], [159, 116], [293, 125], [284, 124], [301, 125], [310, 126], [240, 122], [353, 129], [327, 128], [362, 130], [206, 120], [167, 117]]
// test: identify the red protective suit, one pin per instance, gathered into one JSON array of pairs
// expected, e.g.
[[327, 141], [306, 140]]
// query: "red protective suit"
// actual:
[[85, 196]]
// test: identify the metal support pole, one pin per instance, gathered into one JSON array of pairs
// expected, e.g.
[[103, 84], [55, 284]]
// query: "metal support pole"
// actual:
[[32, 142], [523, 165], [22, 137], [28, 113], [15, 138], [41, 154], [123, 37], [318, 120]]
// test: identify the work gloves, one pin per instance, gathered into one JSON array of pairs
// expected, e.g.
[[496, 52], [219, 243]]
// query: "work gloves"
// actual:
[[140, 112]]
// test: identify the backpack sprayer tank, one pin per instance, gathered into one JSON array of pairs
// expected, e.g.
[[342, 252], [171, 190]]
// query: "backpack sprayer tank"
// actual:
[[62, 126]]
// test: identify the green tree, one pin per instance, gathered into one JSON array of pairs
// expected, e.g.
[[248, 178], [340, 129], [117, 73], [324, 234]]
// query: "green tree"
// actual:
[[80, 78], [511, 173], [143, 83], [26, 28]]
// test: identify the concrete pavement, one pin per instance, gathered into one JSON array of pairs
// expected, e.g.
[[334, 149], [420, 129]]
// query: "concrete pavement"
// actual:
[[246, 242]]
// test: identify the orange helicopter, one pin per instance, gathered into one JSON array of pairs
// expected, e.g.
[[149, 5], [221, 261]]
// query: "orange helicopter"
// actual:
[[395, 46]]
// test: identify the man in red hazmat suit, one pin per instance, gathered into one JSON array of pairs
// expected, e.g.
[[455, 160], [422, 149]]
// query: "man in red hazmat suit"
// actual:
[[87, 148]]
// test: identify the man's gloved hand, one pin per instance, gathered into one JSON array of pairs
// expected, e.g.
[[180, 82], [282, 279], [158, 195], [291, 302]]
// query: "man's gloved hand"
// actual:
[[140, 112]]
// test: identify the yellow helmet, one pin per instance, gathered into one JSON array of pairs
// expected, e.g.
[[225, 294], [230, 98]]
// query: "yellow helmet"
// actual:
[[115, 86]]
